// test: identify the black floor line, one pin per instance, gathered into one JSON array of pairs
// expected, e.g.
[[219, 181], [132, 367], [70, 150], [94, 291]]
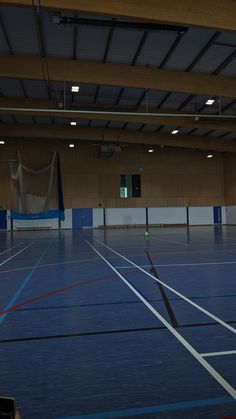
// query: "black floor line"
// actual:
[[108, 332], [163, 294], [119, 303]]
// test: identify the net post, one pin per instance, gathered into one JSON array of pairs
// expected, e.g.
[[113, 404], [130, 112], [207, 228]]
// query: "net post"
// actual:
[[187, 216], [146, 234], [187, 224], [104, 218]]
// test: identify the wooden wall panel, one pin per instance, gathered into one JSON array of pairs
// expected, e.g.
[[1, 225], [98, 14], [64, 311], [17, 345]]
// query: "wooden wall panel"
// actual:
[[169, 176], [230, 179], [4, 188]]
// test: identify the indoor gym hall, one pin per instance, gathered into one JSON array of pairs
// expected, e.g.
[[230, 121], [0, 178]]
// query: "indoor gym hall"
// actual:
[[117, 209]]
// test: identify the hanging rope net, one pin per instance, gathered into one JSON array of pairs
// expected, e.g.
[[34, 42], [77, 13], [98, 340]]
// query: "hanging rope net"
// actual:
[[33, 192]]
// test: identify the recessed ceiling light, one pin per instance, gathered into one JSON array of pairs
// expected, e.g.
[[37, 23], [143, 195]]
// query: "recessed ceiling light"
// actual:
[[210, 101], [209, 156], [75, 89], [150, 150], [73, 123], [175, 131], [71, 145], [2, 142]]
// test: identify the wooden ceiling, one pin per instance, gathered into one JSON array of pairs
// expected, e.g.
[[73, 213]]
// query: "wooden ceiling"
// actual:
[[144, 120]]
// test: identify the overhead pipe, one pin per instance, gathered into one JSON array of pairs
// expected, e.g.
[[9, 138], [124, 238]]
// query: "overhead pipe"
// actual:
[[194, 116]]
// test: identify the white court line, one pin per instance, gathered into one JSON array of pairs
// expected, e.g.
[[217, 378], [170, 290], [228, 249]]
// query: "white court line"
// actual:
[[217, 319], [10, 248], [5, 261], [196, 251], [183, 264], [187, 252], [177, 252], [184, 342], [198, 264], [218, 353], [172, 241]]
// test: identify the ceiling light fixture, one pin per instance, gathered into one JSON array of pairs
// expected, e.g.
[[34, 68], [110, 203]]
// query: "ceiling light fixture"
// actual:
[[71, 145], [73, 123], [2, 142], [209, 155], [175, 131], [210, 102], [150, 150], [75, 89], [60, 19]]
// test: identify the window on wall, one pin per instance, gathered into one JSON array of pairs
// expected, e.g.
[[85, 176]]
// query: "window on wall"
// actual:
[[130, 186]]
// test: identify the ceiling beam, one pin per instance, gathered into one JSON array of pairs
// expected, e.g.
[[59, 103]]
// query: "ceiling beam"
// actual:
[[33, 107], [115, 136], [123, 75], [201, 13]]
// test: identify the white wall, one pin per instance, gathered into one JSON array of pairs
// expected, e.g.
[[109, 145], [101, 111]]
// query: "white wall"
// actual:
[[223, 215], [167, 215], [125, 216], [230, 214], [201, 216], [137, 216], [8, 220], [97, 217], [67, 223]]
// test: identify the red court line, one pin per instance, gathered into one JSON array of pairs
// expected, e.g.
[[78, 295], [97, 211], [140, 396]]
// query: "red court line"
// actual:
[[56, 291]]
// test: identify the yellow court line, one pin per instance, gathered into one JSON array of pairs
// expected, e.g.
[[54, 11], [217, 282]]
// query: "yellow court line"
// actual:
[[109, 258], [46, 265]]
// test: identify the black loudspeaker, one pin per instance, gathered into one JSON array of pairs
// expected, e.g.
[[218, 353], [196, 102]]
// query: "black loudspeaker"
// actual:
[[7, 408]]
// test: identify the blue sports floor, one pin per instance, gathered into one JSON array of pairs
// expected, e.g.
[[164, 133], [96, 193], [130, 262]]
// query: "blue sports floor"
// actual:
[[111, 324]]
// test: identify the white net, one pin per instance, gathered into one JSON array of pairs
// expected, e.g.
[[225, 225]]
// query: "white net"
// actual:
[[31, 190]]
